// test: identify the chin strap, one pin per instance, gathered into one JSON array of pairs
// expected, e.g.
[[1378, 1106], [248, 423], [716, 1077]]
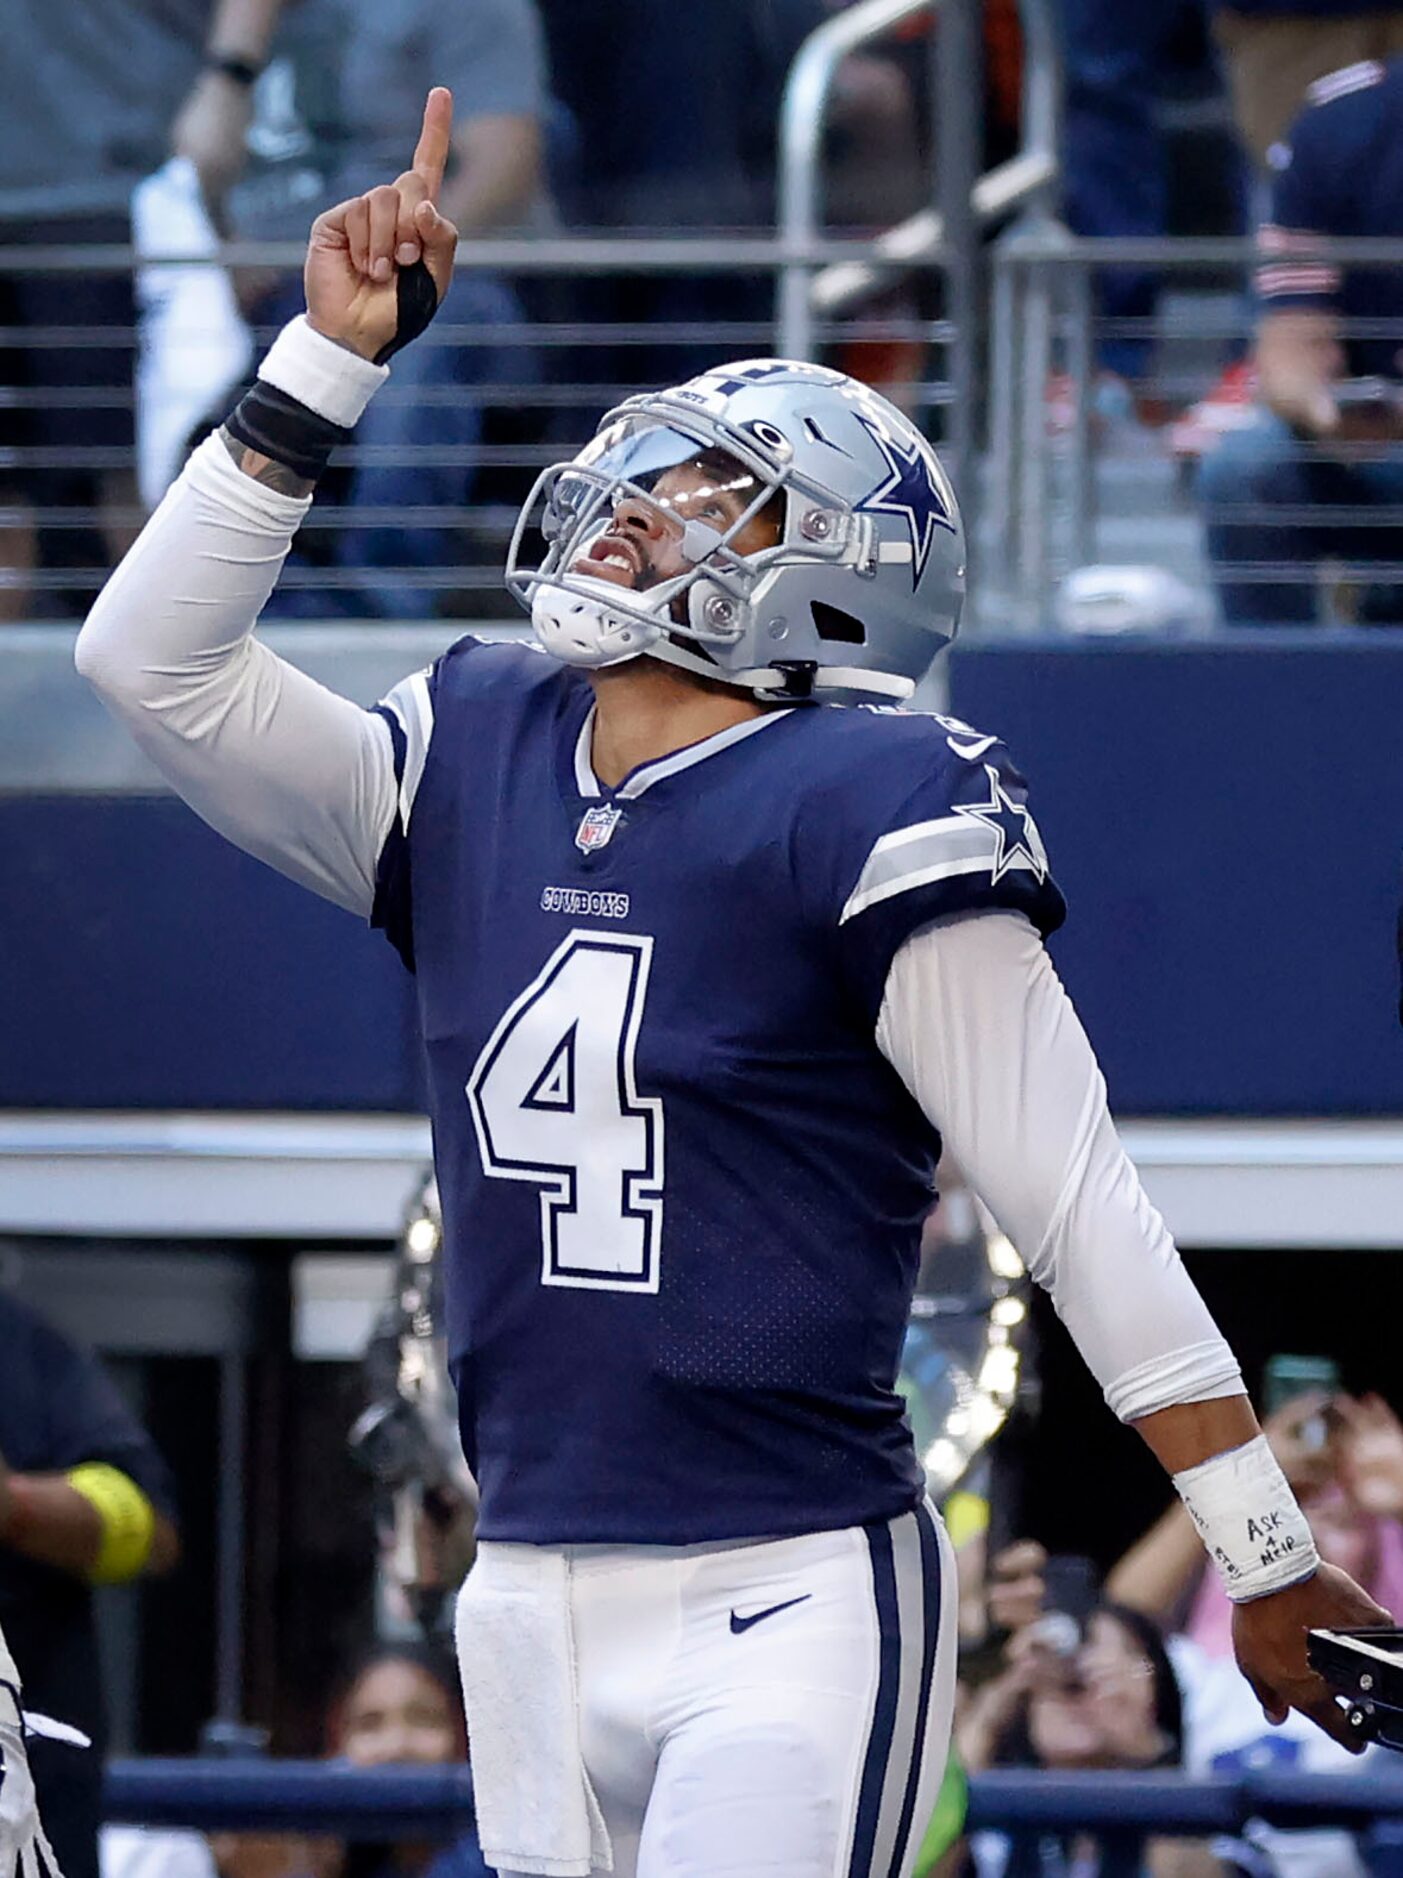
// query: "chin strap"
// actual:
[[795, 680], [858, 678]]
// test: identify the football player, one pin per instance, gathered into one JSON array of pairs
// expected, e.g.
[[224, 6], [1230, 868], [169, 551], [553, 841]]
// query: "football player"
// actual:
[[714, 943]]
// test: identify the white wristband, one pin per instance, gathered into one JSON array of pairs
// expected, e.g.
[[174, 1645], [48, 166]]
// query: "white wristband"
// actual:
[[1248, 1518], [328, 379]]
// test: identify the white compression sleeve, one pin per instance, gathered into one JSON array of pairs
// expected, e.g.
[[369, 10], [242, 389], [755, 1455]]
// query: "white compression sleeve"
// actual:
[[286, 769], [978, 1026]]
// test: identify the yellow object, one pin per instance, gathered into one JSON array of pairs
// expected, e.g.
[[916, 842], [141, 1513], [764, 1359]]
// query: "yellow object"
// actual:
[[128, 1520], [966, 1517], [948, 1820]]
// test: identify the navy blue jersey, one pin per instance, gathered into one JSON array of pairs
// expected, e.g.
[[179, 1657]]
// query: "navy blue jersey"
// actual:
[[1340, 174], [682, 1188]]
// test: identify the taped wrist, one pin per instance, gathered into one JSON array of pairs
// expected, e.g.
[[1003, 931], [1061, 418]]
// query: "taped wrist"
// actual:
[[127, 1518], [308, 395], [278, 426], [1249, 1520]]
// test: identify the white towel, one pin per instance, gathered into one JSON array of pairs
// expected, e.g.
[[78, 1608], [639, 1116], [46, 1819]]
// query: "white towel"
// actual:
[[536, 1810], [193, 344]]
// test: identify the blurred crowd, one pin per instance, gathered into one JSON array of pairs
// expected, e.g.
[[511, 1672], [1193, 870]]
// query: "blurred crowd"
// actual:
[[242, 118], [1062, 1668], [251, 116], [1064, 1672]]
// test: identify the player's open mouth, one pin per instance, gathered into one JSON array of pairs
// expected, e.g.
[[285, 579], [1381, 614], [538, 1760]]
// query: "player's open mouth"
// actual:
[[612, 557]]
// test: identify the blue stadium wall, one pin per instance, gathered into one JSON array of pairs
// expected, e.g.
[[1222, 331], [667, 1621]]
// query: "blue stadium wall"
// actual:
[[1225, 818]]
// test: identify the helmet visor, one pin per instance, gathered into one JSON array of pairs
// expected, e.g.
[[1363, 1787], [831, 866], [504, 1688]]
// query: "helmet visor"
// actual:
[[645, 506]]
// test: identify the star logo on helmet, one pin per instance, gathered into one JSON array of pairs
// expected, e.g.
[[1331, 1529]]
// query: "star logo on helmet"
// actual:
[[1016, 838], [913, 489]]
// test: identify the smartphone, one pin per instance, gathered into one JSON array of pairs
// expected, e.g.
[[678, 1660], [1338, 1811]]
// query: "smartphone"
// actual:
[[1071, 1584], [1070, 1589], [1285, 1378]]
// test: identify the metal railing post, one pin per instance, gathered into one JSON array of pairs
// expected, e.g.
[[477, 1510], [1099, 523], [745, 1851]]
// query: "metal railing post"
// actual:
[[1031, 419], [958, 54], [802, 113], [1080, 324], [1042, 97], [1004, 459], [1022, 352]]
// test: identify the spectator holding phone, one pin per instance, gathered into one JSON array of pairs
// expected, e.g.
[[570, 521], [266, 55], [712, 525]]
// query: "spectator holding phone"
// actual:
[[1085, 1684], [1318, 474], [94, 97], [1344, 1458]]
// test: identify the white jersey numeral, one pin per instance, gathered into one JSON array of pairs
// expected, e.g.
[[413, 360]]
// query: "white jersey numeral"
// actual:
[[554, 1103]]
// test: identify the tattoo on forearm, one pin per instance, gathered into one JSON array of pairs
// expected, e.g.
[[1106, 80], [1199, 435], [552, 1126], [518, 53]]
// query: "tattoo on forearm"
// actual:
[[265, 469]]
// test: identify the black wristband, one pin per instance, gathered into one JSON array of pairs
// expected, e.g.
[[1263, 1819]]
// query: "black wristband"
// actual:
[[242, 71], [277, 426]]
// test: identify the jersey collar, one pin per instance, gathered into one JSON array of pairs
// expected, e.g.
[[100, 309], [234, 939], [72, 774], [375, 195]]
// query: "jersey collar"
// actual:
[[641, 779]]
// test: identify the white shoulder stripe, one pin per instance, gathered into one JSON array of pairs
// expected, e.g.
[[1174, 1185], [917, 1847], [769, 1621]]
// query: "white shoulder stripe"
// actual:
[[414, 708], [929, 851], [1357, 77]]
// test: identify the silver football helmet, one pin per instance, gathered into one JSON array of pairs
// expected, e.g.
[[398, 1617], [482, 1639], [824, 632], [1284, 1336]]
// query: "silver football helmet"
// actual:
[[774, 525]]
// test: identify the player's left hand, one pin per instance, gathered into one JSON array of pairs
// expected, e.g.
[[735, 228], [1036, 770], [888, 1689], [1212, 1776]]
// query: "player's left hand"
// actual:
[[1269, 1636]]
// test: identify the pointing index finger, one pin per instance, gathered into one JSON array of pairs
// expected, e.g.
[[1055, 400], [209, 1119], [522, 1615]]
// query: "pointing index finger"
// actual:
[[431, 152]]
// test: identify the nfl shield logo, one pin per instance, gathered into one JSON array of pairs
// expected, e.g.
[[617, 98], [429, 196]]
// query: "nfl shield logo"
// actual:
[[597, 828]]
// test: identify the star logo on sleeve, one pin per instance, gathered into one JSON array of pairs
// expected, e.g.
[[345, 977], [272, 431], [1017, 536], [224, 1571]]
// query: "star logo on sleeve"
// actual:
[[1016, 838], [915, 490]]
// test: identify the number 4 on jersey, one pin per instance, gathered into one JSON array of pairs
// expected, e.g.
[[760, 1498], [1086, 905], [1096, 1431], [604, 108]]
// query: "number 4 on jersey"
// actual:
[[554, 1103]]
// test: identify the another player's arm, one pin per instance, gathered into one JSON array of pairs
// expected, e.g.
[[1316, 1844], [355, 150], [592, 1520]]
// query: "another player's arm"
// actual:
[[283, 767], [211, 126], [980, 1029], [94, 1523]]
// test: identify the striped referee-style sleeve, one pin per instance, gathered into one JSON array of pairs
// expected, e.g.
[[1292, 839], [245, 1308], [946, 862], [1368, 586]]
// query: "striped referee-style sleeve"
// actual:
[[1315, 188]]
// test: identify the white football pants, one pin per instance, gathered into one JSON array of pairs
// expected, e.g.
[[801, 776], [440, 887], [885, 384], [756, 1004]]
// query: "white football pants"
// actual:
[[773, 1709]]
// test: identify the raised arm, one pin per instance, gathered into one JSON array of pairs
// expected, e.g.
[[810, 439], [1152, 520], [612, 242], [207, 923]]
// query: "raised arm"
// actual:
[[980, 1029], [286, 769]]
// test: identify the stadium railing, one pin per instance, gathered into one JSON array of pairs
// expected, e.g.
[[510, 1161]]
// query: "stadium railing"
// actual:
[[967, 203], [823, 302], [320, 1796], [1072, 480], [570, 368], [1058, 482]]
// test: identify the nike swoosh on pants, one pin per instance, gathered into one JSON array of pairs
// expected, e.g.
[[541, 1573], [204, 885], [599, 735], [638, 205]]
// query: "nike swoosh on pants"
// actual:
[[739, 1624]]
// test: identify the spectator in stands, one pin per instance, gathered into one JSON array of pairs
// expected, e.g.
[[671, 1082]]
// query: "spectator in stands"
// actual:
[[399, 1706], [1318, 475], [81, 123], [1275, 50], [1116, 164], [1119, 63], [1351, 1487], [84, 1500], [677, 133], [415, 453], [1077, 1692]]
